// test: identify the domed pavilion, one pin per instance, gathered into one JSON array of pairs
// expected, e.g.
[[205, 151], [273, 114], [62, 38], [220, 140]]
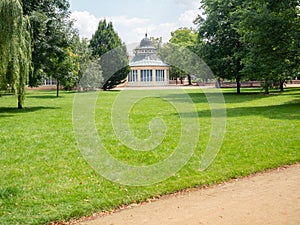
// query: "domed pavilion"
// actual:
[[147, 69]]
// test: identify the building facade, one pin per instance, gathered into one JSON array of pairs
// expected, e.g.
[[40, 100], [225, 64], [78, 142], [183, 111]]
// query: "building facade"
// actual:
[[146, 67]]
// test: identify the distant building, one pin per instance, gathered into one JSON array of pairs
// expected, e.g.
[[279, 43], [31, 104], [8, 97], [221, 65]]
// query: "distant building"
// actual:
[[146, 67], [48, 81]]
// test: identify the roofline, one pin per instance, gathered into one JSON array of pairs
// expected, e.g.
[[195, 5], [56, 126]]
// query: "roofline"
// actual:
[[150, 65]]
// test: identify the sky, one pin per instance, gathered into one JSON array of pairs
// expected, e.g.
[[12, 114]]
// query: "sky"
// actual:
[[133, 18]]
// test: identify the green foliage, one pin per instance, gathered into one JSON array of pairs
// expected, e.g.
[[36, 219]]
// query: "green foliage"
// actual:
[[251, 40], [47, 6], [107, 45], [181, 54], [91, 76], [187, 40], [104, 39], [15, 48], [84, 52], [157, 42], [271, 31], [177, 52], [184, 37], [62, 63], [52, 35], [222, 48], [172, 54], [90, 73], [64, 68]]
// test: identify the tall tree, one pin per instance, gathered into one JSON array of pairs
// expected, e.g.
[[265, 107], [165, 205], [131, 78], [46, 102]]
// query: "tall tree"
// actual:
[[64, 68], [15, 48], [157, 42], [271, 31], [49, 21], [181, 54], [185, 38], [62, 62], [90, 72], [223, 50], [106, 41]]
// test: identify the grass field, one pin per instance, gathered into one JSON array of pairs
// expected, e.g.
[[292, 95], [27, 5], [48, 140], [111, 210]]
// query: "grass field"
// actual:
[[44, 177]]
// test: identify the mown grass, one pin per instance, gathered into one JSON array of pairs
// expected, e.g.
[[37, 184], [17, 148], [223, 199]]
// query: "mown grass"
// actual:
[[44, 177]]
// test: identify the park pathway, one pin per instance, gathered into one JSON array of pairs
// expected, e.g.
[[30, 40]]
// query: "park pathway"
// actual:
[[266, 198]]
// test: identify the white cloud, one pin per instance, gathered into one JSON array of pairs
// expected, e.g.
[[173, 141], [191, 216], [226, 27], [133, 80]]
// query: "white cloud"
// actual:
[[85, 22], [187, 18], [192, 11], [126, 21], [87, 25], [160, 30], [133, 29], [188, 4], [127, 27]]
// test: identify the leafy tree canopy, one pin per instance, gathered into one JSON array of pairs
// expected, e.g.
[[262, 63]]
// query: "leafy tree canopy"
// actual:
[[222, 48], [52, 31], [184, 37], [15, 48], [271, 31], [107, 45]]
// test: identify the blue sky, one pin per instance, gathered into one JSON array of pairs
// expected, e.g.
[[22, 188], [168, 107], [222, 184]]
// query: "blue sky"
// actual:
[[132, 18]]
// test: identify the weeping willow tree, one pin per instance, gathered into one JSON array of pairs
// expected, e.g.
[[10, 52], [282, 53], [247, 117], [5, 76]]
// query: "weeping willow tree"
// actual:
[[15, 48]]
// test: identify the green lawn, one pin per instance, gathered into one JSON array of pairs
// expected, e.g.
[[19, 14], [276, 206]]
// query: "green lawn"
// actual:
[[44, 177]]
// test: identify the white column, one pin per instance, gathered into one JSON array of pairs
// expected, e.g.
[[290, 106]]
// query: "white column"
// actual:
[[154, 77], [139, 77], [167, 76]]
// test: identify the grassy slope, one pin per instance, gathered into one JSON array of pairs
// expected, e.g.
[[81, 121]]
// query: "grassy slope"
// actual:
[[44, 177]]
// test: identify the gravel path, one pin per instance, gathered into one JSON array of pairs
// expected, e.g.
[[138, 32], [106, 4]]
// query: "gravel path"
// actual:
[[267, 198]]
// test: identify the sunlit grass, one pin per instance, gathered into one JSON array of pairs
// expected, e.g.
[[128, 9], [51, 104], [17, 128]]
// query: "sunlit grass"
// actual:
[[44, 177]]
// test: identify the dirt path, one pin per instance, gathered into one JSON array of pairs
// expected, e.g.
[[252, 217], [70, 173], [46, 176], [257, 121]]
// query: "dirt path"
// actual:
[[268, 198]]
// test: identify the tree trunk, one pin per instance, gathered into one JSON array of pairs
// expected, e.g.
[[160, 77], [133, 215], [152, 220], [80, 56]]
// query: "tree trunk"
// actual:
[[20, 98], [104, 87], [57, 88], [238, 85], [20, 106], [282, 86], [218, 83], [190, 80], [267, 88]]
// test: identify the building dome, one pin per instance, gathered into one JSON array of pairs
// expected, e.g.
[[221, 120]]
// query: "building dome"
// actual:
[[147, 69], [145, 55], [146, 43]]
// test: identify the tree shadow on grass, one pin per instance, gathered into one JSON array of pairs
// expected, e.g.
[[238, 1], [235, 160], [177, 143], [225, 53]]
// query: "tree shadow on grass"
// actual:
[[290, 89], [43, 96], [200, 97], [13, 111], [287, 111], [5, 94], [113, 90], [232, 97]]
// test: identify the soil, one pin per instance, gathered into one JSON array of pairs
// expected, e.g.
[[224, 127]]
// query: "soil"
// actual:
[[267, 198]]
